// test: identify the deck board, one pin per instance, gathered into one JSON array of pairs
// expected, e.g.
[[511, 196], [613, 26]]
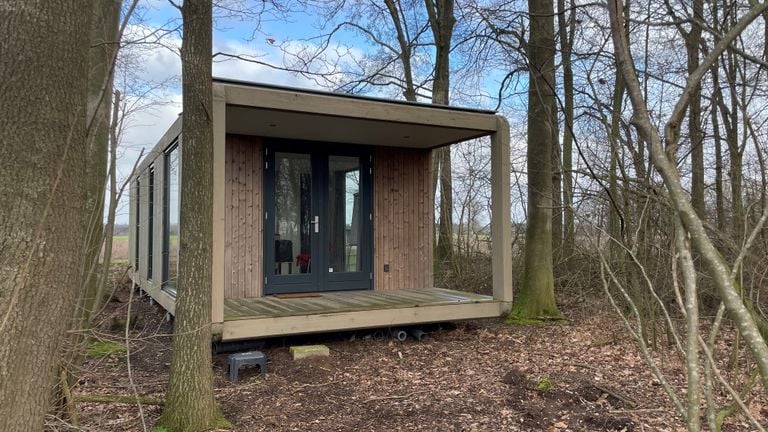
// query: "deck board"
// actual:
[[348, 301]]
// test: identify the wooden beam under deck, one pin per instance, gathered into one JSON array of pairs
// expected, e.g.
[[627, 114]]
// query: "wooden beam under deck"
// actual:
[[271, 316]]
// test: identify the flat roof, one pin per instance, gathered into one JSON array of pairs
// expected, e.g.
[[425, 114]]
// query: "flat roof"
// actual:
[[292, 113], [348, 95]]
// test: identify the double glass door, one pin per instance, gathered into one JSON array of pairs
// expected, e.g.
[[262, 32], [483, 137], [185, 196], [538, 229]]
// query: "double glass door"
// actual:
[[317, 231]]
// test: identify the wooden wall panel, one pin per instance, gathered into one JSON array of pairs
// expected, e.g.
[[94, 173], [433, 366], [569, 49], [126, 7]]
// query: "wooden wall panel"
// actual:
[[402, 218], [243, 246]]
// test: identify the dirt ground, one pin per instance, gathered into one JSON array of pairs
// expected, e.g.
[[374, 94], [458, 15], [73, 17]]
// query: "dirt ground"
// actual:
[[474, 376]]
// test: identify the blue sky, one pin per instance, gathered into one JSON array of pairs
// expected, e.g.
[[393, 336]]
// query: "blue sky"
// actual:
[[231, 35]]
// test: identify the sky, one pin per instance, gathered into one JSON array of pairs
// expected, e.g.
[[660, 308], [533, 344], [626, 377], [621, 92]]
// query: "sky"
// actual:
[[159, 62]]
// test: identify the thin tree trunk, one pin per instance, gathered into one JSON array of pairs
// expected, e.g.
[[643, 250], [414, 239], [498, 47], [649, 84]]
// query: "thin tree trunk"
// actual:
[[614, 221], [719, 194], [727, 288], [190, 404], [566, 30], [42, 191], [692, 40], [557, 190], [536, 296]]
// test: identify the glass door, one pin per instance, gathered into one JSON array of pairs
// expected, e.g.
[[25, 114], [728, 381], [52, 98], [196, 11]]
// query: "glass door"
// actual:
[[289, 223], [317, 228], [347, 232]]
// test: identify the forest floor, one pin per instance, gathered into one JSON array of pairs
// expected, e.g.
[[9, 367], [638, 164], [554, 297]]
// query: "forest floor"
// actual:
[[586, 375]]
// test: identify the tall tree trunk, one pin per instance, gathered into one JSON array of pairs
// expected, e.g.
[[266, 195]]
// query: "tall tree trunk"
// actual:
[[406, 49], [442, 20], [536, 296], [557, 187], [105, 21], [566, 29], [692, 40], [719, 191], [734, 149], [190, 404], [42, 191], [614, 217]]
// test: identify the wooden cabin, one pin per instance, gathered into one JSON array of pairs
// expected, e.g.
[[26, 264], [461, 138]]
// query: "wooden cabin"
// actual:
[[323, 212]]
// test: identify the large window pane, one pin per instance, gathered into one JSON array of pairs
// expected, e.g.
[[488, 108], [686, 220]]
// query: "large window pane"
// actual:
[[293, 207], [150, 221], [137, 234], [344, 225], [171, 223]]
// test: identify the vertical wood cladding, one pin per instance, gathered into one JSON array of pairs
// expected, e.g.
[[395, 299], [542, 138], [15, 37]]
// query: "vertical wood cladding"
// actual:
[[402, 218], [243, 247]]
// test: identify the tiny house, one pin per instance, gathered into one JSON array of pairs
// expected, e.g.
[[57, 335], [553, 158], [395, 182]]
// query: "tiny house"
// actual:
[[323, 212]]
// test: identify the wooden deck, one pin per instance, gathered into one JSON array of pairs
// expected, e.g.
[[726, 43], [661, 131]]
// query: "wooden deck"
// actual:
[[335, 311]]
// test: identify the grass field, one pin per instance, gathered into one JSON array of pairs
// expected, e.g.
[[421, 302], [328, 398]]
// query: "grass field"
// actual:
[[120, 249]]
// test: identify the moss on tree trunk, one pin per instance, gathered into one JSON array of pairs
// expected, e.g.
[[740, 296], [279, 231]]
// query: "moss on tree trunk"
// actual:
[[536, 296]]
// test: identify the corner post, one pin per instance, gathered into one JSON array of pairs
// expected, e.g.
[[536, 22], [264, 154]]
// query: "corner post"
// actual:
[[501, 222], [219, 149]]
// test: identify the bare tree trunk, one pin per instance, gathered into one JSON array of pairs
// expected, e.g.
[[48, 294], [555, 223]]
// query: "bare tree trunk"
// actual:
[[557, 190], [727, 288], [567, 29], [42, 191], [442, 20], [696, 135], [719, 193], [536, 296], [105, 22], [190, 404], [405, 50]]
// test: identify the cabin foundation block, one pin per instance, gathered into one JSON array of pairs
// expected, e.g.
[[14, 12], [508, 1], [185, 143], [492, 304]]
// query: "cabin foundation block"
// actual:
[[306, 351]]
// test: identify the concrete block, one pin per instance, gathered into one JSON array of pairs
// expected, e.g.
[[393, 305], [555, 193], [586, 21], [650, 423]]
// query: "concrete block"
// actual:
[[306, 351]]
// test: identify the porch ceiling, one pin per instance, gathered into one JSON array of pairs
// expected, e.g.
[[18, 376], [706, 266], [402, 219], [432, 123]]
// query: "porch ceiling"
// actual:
[[329, 128], [283, 112]]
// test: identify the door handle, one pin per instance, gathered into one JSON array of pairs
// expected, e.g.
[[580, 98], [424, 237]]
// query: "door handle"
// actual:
[[316, 223]]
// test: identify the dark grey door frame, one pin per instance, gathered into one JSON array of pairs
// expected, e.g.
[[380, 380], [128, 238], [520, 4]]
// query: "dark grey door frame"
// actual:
[[319, 278]]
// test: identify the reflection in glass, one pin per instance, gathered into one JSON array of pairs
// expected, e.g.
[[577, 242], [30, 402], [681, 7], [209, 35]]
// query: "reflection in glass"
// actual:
[[137, 234], [171, 224], [344, 225], [293, 206], [151, 223]]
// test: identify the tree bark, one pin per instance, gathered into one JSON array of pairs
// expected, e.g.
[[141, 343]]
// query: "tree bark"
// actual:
[[190, 403], [442, 20], [566, 29], [696, 134], [105, 21], [536, 296], [719, 191], [42, 191]]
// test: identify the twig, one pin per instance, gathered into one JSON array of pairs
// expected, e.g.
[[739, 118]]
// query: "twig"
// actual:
[[638, 410], [303, 386], [69, 402], [119, 399], [373, 399], [610, 392], [136, 397]]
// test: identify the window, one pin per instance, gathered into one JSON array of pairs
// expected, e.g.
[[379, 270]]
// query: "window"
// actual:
[[150, 220], [171, 221], [137, 234]]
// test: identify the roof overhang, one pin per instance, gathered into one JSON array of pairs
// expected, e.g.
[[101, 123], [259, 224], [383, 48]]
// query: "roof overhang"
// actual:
[[281, 112]]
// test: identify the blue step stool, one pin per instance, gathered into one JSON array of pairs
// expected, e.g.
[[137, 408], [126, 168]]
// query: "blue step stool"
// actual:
[[246, 358]]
